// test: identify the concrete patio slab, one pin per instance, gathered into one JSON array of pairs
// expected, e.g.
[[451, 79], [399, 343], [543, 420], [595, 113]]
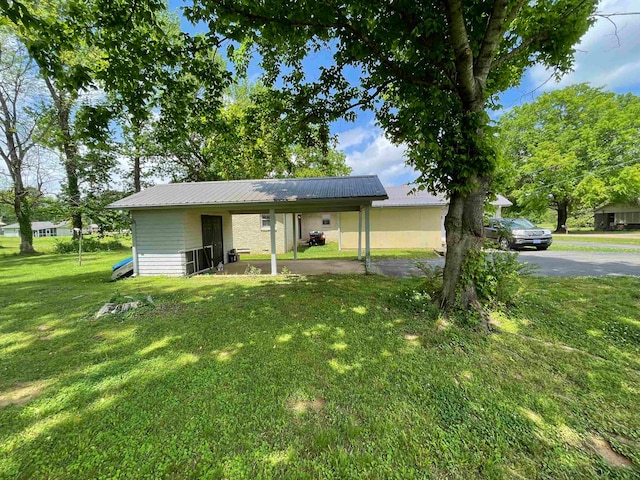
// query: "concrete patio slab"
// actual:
[[298, 267]]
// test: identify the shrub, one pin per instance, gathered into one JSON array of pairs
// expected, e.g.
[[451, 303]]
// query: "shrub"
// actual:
[[253, 271], [496, 275], [88, 245]]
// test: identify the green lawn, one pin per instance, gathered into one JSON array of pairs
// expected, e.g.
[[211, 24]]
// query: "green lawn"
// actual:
[[330, 252], [595, 247], [11, 245], [325, 377], [618, 239]]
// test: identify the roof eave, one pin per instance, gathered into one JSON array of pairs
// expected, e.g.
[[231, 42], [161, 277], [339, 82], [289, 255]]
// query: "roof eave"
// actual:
[[279, 206]]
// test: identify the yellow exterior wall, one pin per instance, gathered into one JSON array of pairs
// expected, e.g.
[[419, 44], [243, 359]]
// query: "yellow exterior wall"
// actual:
[[396, 227], [313, 222]]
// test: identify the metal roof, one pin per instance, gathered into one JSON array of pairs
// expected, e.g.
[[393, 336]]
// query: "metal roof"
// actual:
[[37, 225], [401, 197], [252, 192]]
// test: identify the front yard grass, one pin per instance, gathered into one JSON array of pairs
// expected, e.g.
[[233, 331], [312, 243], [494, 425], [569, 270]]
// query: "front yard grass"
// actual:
[[611, 238], [318, 377], [595, 247]]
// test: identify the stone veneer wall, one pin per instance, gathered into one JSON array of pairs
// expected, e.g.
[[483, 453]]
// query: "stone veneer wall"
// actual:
[[247, 233]]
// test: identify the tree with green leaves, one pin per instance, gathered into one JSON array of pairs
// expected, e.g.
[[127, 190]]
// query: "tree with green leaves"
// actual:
[[571, 149], [22, 127], [127, 51], [428, 69], [237, 136]]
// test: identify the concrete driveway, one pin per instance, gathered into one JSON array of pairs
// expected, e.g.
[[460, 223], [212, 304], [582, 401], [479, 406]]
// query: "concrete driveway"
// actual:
[[547, 263], [298, 267]]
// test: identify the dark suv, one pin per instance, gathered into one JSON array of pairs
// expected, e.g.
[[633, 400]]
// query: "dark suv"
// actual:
[[516, 233]]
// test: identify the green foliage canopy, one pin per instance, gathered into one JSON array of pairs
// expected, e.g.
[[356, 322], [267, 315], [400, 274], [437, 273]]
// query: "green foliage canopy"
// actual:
[[242, 135], [407, 55], [574, 148]]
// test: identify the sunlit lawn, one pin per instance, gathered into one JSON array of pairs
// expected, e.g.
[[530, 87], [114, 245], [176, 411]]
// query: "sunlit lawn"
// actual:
[[318, 377], [612, 237], [592, 247]]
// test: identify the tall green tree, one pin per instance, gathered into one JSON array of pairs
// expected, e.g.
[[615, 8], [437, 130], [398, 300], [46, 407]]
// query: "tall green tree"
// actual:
[[22, 127], [570, 149], [427, 68], [241, 134]]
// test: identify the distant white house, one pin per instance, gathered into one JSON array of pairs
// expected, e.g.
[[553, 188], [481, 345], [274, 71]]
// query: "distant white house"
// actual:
[[91, 229], [40, 229]]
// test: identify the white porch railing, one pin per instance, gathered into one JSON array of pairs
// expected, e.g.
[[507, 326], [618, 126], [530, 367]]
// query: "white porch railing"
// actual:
[[197, 260]]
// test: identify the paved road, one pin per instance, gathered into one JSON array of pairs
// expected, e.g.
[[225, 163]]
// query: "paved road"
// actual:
[[549, 263]]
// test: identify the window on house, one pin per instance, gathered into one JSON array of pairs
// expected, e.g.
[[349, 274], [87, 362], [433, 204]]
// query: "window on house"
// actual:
[[326, 220], [265, 222]]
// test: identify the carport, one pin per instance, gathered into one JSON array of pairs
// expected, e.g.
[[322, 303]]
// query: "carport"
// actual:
[[178, 228]]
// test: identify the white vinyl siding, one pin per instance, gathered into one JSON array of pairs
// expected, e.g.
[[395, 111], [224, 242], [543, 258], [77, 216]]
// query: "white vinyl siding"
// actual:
[[159, 240]]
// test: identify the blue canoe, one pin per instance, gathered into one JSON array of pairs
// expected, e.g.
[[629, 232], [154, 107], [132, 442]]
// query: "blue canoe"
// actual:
[[122, 269]]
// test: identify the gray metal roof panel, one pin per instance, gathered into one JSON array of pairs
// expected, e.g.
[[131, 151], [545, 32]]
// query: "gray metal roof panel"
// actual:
[[254, 191], [402, 197], [38, 225]]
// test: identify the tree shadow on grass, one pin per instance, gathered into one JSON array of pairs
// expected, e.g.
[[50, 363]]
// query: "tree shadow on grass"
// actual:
[[291, 379]]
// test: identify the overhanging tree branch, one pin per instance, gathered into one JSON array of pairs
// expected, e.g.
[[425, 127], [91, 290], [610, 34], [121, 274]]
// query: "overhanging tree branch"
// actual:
[[462, 51], [491, 41]]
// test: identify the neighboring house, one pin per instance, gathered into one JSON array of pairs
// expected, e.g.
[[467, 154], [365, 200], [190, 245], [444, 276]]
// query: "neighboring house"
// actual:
[[92, 229], [617, 216], [184, 228], [404, 220], [40, 229]]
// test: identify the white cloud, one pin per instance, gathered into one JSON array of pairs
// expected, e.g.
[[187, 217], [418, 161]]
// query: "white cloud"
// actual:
[[603, 58], [356, 136], [376, 155]]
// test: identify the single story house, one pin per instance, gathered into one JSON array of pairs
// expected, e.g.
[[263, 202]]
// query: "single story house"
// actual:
[[617, 216], [92, 229], [40, 229], [405, 220], [185, 228]]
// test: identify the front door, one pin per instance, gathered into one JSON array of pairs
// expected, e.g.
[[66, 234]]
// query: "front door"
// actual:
[[212, 235]]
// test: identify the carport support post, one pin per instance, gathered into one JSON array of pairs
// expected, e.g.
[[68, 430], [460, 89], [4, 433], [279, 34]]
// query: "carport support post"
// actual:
[[295, 236], [367, 239], [360, 234], [272, 228]]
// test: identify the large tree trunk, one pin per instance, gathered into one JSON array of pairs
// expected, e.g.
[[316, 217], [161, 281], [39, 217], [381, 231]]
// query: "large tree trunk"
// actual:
[[63, 102], [71, 168], [22, 210], [563, 215], [464, 229]]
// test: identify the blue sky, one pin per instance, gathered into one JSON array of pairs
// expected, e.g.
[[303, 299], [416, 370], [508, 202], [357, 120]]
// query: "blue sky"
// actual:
[[602, 60]]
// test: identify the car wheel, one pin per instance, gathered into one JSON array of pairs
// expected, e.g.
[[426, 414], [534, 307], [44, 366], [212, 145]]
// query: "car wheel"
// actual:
[[544, 247], [503, 244]]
